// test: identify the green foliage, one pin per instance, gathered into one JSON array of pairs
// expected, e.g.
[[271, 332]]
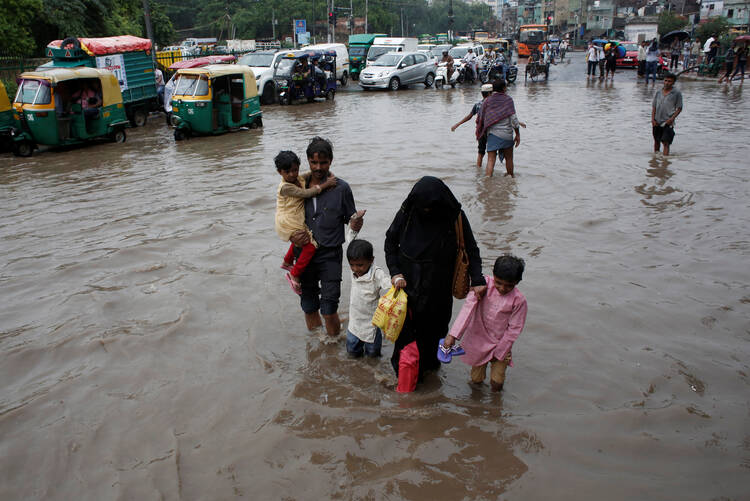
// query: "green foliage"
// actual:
[[252, 18], [716, 26], [10, 87], [669, 21], [16, 20]]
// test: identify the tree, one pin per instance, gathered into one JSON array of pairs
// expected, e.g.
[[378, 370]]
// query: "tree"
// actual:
[[16, 20], [668, 21], [715, 26]]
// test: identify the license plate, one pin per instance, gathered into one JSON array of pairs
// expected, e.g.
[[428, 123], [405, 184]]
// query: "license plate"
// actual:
[[628, 60]]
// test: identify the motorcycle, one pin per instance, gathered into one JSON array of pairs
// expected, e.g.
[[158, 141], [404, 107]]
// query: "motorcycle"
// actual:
[[494, 71], [464, 73], [441, 76]]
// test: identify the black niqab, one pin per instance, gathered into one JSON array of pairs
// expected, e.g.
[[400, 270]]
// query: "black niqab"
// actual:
[[430, 210]]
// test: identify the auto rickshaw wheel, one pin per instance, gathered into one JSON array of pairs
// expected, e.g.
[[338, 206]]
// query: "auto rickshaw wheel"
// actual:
[[344, 79], [330, 95], [180, 134], [23, 148], [139, 118], [119, 136]]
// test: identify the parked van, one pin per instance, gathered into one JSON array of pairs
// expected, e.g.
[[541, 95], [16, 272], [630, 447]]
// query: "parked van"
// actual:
[[342, 59], [384, 45]]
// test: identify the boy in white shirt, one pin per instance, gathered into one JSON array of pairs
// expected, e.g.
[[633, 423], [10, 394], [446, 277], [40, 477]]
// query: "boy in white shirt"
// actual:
[[369, 283]]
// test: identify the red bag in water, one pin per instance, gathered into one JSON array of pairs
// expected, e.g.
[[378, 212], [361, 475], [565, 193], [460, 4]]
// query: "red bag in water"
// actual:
[[408, 368]]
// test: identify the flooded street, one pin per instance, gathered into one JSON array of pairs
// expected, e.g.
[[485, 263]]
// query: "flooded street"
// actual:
[[151, 348]]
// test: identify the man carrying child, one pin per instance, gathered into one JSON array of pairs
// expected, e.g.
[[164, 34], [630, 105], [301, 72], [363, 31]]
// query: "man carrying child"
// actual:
[[326, 216]]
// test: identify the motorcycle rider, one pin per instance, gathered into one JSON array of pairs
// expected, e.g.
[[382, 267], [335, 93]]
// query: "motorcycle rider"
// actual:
[[448, 60], [501, 62], [470, 59]]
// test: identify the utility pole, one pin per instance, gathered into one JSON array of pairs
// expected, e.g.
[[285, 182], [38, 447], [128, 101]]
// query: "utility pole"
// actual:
[[367, 30], [149, 29], [333, 26], [273, 24], [450, 20], [351, 17], [402, 21]]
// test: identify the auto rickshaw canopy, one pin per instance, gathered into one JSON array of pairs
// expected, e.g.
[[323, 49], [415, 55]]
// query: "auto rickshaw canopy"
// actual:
[[220, 70], [110, 86], [4, 101]]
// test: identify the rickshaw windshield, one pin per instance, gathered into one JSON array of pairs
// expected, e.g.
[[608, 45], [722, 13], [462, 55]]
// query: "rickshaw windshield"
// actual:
[[191, 85], [33, 92], [285, 66], [357, 51]]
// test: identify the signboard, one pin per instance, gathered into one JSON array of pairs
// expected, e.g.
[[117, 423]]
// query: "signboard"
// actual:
[[115, 64], [303, 38], [300, 26]]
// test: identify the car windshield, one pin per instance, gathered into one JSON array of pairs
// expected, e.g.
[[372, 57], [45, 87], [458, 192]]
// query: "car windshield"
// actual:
[[387, 60], [284, 68], [257, 60], [630, 46], [33, 92], [192, 85], [376, 52], [533, 36], [438, 51], [458, 52], [357, 51]]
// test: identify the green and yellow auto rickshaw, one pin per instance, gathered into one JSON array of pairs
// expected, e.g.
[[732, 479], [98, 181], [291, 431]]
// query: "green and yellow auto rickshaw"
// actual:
[[215, 99], [6, 120], [67, 106]]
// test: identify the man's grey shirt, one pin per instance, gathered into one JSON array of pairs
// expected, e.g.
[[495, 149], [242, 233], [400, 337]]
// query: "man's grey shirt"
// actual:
[[665, 106]]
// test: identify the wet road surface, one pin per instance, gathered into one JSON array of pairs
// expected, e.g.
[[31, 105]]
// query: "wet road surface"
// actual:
[[151, 348]]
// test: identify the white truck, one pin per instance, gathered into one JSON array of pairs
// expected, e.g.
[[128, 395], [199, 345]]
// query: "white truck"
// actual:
[[193, 45], [238, 45], [384, 45]]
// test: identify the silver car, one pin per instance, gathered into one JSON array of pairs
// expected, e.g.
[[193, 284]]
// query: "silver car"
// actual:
[[398, 69]]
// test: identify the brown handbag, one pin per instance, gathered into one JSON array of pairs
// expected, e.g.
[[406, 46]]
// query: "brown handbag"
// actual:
[[461, 280]]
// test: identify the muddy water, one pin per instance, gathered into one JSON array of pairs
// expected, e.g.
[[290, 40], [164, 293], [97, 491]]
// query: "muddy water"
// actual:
[[152, 349]]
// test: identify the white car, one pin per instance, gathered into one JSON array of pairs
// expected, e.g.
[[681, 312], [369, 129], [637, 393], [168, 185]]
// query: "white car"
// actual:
[[262, 63], [398, 69]]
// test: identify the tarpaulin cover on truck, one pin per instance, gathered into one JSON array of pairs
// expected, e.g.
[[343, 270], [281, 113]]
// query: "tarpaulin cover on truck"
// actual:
[[109, 45]]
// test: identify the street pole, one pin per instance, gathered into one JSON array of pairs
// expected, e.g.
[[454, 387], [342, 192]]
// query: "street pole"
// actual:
[[333, 27], [149, 29], [351, 17], [367, 30], [402, 21], [273, 25]]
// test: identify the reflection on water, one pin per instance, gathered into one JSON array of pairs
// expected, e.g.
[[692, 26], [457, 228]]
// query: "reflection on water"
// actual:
[[151, 347]]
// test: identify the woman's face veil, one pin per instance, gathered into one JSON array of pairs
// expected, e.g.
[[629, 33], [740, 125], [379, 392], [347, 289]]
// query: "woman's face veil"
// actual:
[[431, 199]]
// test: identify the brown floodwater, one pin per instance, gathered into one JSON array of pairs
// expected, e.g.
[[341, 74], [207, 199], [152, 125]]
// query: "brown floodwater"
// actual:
[[151, 348]]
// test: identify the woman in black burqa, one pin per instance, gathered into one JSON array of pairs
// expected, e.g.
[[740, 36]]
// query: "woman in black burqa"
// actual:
[[420, 251]]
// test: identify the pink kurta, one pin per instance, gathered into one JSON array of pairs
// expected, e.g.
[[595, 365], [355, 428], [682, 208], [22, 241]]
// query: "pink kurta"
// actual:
[[489, 327]]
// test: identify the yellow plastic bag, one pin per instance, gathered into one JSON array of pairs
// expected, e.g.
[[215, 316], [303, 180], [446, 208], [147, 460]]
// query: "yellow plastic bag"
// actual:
[[391, 313]]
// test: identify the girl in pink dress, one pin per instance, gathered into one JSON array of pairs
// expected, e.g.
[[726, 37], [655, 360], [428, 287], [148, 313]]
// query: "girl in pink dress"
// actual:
[[490, 325]]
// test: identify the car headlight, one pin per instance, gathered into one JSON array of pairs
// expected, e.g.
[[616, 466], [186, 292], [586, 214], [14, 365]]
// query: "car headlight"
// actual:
[[383, 74]]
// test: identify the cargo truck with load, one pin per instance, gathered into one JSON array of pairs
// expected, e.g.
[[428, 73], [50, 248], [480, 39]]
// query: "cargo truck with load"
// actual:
[[128, 57], [358, 47]]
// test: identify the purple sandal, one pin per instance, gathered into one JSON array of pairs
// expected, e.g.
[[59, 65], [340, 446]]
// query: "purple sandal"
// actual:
[[446, 354]]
